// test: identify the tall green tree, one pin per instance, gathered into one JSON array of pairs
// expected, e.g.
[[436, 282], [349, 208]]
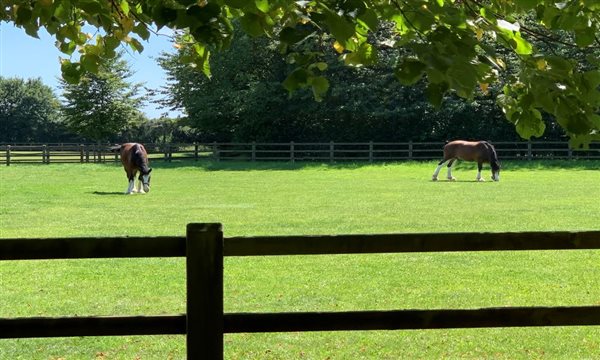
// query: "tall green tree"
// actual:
[[446, 43], [104, 103], [29, 111]]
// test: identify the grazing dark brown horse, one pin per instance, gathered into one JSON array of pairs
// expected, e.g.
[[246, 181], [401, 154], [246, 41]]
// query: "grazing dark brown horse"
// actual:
[[479, 151], [135, 158]]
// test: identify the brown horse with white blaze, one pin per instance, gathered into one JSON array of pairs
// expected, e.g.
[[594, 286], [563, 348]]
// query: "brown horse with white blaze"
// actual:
[[135, 159], [479, 151]]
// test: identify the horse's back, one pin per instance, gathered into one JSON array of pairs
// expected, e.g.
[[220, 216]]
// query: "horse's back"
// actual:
[[128, 152], [465, 150]]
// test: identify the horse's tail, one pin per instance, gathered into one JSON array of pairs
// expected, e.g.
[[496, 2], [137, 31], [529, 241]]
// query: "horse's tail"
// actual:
[[115, 148]]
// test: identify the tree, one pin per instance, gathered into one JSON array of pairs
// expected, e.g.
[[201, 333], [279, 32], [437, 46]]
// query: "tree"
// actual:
[[446, 42], [29, 111], [245, 100], [102, 104]]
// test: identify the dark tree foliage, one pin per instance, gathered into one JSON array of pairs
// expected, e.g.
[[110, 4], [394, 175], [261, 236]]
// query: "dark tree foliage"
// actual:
[[29, 112], [245, 100]]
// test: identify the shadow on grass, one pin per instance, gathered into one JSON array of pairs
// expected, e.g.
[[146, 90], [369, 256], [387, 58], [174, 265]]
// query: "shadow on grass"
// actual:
[[104, 193], [463, 181]]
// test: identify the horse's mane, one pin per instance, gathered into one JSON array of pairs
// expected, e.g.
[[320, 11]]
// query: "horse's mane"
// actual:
[[491, 150]]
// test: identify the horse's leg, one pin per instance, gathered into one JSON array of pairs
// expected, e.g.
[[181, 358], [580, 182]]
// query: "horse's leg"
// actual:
[[130, 177], [135, 188], [450, 164], [139, 185], [437, 170], [479, 167]]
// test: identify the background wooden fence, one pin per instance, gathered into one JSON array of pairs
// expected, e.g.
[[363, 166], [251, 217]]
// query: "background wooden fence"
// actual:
[[323, 152], [205, 323]]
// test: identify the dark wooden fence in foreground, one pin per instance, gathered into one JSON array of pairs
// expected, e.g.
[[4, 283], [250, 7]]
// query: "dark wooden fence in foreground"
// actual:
[[323, 152], [205, 323]]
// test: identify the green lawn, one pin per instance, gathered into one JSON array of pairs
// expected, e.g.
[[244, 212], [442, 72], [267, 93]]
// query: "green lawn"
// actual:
[[267, 198]]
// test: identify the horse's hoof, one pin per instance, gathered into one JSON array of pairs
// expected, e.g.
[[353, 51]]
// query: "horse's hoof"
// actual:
[[481, 180], [452, 178], [434, 179]]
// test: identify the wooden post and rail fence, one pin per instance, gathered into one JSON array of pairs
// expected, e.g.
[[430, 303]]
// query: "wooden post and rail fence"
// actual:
[[288, 152], [204, 323]]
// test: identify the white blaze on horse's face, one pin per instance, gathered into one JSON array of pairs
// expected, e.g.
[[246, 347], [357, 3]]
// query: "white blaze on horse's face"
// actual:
[[146, 182]]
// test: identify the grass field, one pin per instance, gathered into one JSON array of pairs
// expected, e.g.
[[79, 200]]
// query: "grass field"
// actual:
[[267, 198]]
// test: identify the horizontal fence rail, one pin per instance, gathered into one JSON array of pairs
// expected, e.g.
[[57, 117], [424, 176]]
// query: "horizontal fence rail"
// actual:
[[289, 152], [205, 322]]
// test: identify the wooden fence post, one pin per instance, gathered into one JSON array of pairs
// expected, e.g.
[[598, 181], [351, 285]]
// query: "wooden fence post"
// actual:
[[370, 151], [410, 150], [7, 155], [81, 151], [44, 150], [253, 151], [292, 159], [204, 271], [195, 151], [529, 155], [331, 151], [215, 151]]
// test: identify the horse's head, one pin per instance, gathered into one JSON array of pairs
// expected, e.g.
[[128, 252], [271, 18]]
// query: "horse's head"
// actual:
[[145, 178], [495, 164]]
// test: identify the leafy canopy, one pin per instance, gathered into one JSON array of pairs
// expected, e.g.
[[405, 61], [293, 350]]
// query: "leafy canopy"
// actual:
[[449, 43]]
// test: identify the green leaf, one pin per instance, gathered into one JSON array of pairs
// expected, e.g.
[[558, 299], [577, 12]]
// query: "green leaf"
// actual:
[[262, 5], [91, 7], [124, 7], [67, 47], [294, 35], [320, 85], [530, 124], [295, 80], [237, 4], [136, 45], [203, 15], [435, 93], [409, 71], [339, 27], [187, 2], [321, 66], [592, 79], [71, 72], [252, 25], [369, 19], [90, 62], [523, 47], [24, 14], [142, 31], [364, 55], [526, 4], [584, 38], [163, 15], [463, 77]]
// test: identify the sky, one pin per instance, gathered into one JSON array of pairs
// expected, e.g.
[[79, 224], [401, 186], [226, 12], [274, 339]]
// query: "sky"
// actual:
[[26, 57]]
